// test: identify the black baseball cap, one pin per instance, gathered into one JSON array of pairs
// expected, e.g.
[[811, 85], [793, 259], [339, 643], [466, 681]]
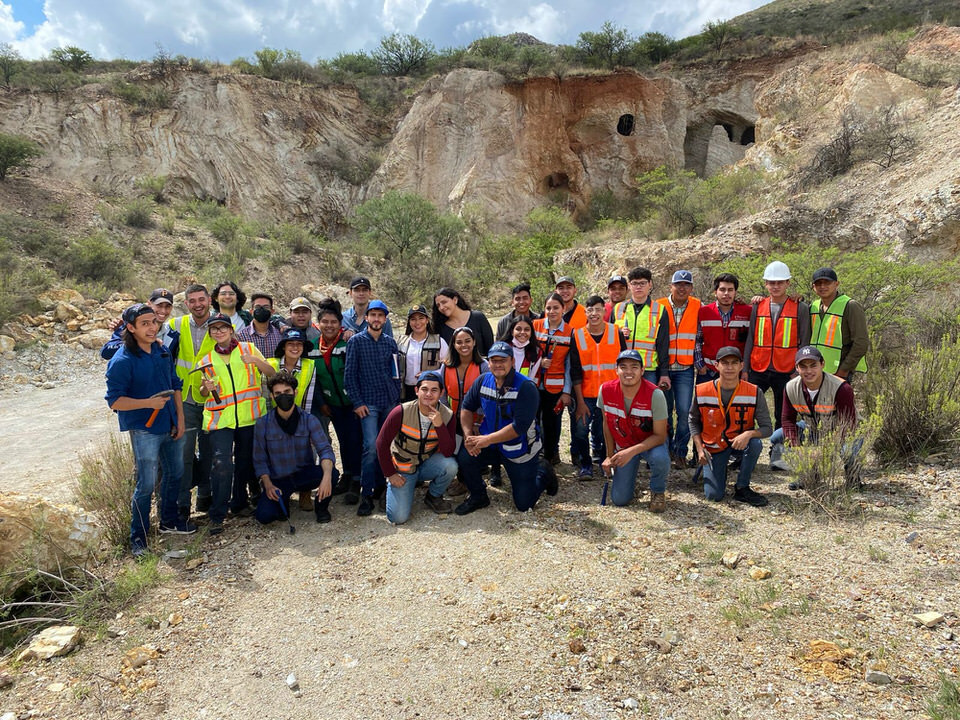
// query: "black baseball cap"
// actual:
[[358, 281], [807, 352], [131, 314], [617, 279], [161, 295], [565, 279], [422, 310], [729, 351], [219, 318], [825, 273]]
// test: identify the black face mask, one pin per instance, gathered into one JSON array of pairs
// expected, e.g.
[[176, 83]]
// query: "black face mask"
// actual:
[[261, 313], [284, 402]]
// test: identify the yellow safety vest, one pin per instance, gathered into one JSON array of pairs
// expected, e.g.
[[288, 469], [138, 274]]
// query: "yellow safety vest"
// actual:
[[643, 329], [241, 401], [304, 376], [187, 358]]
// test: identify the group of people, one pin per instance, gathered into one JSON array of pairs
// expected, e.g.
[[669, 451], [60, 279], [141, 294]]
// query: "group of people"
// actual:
[[239, 404]]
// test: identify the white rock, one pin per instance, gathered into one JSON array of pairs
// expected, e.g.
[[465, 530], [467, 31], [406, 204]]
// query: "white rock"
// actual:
[[292, 682], [52, 642], [929, 619], [7, 344], [631, 704], [731, 559]]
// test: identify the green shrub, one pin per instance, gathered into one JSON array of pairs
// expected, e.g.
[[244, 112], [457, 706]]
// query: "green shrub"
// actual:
[[16, 151], [295, 238], [154, 186], [138, 214], [142, 98], [105, 486], [225, 227], [946, 704], [402, 224], [548, 230], [97, 259]]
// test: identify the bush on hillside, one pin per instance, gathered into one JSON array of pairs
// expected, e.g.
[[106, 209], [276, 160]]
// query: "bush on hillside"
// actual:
[[16, 151], [138, 214], [399, 225], [96, 259], [105, 486]]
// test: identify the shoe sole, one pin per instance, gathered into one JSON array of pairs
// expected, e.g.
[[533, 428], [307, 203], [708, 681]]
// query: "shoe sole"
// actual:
[[174, 531]]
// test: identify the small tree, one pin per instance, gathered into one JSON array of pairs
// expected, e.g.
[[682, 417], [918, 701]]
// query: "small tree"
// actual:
[[405, 223], [719, 33], [10, 62], [608, 48], [16, 151], [655, 46], [402, 54], [71, 57], [267, 60]]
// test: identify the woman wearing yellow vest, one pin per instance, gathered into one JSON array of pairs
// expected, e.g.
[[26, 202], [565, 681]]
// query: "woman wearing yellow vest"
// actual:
[[232, 374]]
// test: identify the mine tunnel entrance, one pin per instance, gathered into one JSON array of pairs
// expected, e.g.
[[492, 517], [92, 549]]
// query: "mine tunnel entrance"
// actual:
[[625, 124], [718, 139]]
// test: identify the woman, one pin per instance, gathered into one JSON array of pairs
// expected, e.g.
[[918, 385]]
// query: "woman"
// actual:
[[526, 351], [461, 368], [451, 311], [290, 355], [553, 336], [421, 349]]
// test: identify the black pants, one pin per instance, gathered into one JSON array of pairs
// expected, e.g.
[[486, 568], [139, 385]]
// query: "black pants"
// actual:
[[550, 423]]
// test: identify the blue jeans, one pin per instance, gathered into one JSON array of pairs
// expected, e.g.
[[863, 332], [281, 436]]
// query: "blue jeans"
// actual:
[[715, 474], [304, 479], [232, 469], [347, 426], [594, 428], [527, 480], [371, 477], [680, 396], [850, 451], [196, 468], [624, 484], [438, 470], [150, 452]]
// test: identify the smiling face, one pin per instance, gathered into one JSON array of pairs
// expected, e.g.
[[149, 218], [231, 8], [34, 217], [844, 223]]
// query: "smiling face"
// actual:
[[630, 373], [617, 292], [221, 333], [725, 293], [810, 371], [329, 327], [293, 349], [376, 319], [522, 332], [826, 289], [566, 290], [162, 310], [198, 303], [554, 312], [144, 329], [681, 292], [464, 343], [522, 302], [595, 316], [428, 393], [227, 299], [445, 305], [418, 325]]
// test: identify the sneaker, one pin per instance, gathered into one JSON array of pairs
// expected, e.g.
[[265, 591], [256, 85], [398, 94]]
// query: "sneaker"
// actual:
[[139, 551], [586, 473], [204, 503], [457, 488], [351, 498], [779, 466], [750, 496], [437, 504], [323, 515], [496, 480], [215, 528], [658, 502], [183, 527], [776, 458], [472, 503], [796, 485], [366, 506], [306, 501], [550, 483]]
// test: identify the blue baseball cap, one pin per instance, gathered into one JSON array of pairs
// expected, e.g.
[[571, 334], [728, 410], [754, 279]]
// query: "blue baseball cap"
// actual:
[[500, 349], [630, 355], [682, 276], [378, 305], [430, 375], [808, 352]]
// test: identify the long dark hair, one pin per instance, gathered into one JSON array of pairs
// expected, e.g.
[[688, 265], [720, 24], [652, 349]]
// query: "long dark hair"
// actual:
[[453, 357], [430, 326], [532, 351], [438, 319]]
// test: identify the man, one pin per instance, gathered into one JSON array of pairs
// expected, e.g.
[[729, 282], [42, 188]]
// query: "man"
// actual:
[[634, 429], [301, 315], [416, 445], [779, 326], [723, 323], [229, 300], [593, 361], [729, 416], [682, 311], [161, 300], [839, 329], [522, 300], [817, 402], [285, 443], [573, 313], [144, 391], [616, 294], [645, 327], [231, 386], [354, 318], [194, 343], [508, 433], [264, 330], [372, 381]]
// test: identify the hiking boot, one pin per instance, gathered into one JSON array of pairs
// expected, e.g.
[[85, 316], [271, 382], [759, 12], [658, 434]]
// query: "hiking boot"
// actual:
[[323, 515], [243, 512], [496, 479], [658, 502], [550, 483], [139, 551], [182, 527], [456, 488], [365, 507], [776, 459], [586, 473], [796, 485], [750, 496], [215, 528], [472, 503], [352, 496], [437, 504], [306, 502], [203, 503], [554, 459]]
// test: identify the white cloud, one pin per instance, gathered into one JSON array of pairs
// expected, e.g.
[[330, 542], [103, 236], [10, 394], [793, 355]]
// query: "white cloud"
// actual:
[[542, 20], [9, 28]]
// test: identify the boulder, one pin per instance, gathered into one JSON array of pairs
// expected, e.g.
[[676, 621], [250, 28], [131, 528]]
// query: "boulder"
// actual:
[[53, 642], [65, 312], [94, 339], [7, 344], [49, 299]]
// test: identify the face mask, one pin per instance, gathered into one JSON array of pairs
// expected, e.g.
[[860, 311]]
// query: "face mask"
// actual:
[[519, 344], [261, 313], [284, 402]]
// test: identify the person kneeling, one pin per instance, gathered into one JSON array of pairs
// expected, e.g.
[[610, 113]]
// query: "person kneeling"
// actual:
[[415, 445], [284, 444], [634, 428]]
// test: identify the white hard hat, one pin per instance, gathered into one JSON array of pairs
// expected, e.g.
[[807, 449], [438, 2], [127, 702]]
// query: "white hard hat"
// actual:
[[776, 271]]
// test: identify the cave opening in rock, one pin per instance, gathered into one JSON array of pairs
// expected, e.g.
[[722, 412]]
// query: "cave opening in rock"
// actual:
[[729, 129], [625, 124], [749, 135]]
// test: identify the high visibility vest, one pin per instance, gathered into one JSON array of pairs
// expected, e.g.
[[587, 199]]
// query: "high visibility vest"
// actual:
[[579, 317], [429, 354], [412, 447], [497, 409], [827, 334], [598, 359], [643, 329], [716, 336], [330, 378], [457, 389], [723, 424], [555, 347], [824, 408], [633, 427], [683, 338], [241, 400], [775, 347], [187, 357], [304, 375]]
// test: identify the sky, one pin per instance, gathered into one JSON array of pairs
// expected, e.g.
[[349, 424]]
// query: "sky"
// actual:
[[223, 30]]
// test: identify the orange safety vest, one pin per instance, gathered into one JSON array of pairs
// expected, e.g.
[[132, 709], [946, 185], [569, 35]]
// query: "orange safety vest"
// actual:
[[598, 359], [456, 389], [412, 446], [723, 424], [682, 339], [716, 336], [579, 317], [241, 401], [555, 347], [776, 347], [632, 430]]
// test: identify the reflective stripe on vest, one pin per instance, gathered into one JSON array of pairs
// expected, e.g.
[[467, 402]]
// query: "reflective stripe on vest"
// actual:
[[684, 338], [827, 333], [824, 412], [303, 374], [241, 399], [555, 347], [723, 424], [715, 335], [598, 359], [410, 448], [497, 410], [643, 330], [429, 353], [631, 431], [187, 358], [775, 347]]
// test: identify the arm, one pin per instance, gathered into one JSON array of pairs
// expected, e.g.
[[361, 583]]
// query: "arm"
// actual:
[[115, 342], [853, 327], [484, 332], [576, 379], [180, 425], [762, 417], [846, 408], [351, 379], [255, 358], [389, 430], [788, 421], [447, 436], [321, 445], [659, 436], [803, 324], [261, 458], [748, 347], [698, 351], [696, 428]]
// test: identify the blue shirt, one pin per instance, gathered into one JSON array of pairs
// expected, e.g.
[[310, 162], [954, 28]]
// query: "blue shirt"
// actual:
[[277, 454], [358, 325], [523, 410], [166, 336], [370, 374], [140, 375]]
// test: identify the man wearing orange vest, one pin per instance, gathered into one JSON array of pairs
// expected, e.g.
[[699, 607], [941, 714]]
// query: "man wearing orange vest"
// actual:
[[634, 429], [573, 313], [720, 324], [682, 311], [729, 416], [779, 326], [416, 445], [593, 361]]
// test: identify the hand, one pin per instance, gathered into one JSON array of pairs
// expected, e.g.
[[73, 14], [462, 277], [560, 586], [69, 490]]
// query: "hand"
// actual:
[[361, 411], [208, 386], [248, 358], [744, 375], [665, 382], [545, 362], [756, 299], [619, 458], [607, 466], [347, 334], [326, 487], [435, 417], [475, 443], [397, 480], [583, 412], [156, 403], [702, 371], [741, 441], [114, 324], [703, 457], [625, 331], [176, 432], [272, 491]]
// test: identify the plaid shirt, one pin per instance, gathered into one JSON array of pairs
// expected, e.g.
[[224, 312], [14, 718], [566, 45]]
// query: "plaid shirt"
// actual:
[[266, 344], [277, 454], [370, 375]]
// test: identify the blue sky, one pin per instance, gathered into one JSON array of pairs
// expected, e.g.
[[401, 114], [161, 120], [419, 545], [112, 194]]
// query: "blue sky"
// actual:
[[226, 29]]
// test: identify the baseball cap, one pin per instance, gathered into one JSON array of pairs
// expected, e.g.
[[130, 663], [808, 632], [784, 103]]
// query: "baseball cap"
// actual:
[[682, 276], [565, 279], [825, 273], [219, 318], [161, 295], [617, 279], [417, 309], [729, 351], [630, 355], [378, 305], [430, 375], [300, 302], [500, 349], [358, 281], [807, 352], [131, 314]]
